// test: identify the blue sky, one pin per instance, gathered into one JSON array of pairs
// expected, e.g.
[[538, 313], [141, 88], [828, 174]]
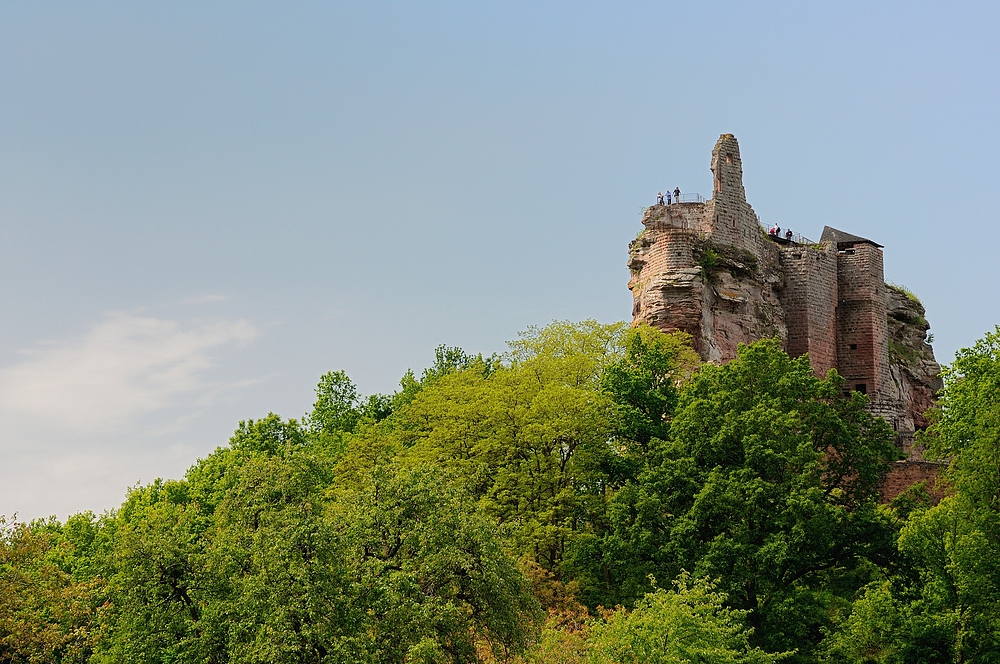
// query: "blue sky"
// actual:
[[205, 206]]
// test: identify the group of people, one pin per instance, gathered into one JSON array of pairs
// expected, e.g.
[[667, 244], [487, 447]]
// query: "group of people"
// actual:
[[675, 197], [775, 231], [665, 199]]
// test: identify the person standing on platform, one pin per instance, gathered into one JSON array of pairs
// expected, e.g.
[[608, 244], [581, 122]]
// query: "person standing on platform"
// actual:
[[677, 194]]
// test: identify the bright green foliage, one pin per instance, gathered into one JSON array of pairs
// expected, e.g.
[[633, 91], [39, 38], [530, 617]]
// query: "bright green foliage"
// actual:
[[336, 408], [449, 359], [966, 426], [254, 558], [767, 483], [530, 437], [644, 384], [253, 574], [153, 572], [688, 624], [943, 606], [955, 547], [432, 571], [872, 632], [385, 529]]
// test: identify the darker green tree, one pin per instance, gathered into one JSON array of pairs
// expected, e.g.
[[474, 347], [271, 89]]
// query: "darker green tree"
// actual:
[[943, 602], [767, 482]]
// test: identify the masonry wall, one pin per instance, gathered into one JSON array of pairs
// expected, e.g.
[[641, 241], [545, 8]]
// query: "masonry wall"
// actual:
[[862, 329], [666, 284], [668, 249], [809, 300], [905, 474]]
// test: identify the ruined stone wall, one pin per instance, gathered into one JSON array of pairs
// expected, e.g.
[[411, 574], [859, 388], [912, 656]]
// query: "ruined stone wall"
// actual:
[[710, 270], [809, 299], [729, 218], [720, 295], [862, 329], [688, 216]]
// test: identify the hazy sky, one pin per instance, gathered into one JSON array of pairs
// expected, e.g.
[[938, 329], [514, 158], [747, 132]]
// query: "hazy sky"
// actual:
[[205, 206]]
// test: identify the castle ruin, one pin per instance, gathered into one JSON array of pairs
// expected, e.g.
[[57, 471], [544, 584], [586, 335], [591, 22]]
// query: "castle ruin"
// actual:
[[710, 269]]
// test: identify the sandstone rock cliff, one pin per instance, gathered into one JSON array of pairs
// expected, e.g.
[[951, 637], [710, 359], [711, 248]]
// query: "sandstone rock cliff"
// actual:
[[722, 295], [916, 375]]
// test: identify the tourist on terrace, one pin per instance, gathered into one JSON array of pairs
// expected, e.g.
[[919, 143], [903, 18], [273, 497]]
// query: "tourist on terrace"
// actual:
[[659, 198], [677, 194], [773, 230], [788, 235], [668, 197]]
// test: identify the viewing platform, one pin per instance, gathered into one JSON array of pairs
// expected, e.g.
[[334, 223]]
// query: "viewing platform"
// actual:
[[687, 214], [783, 239], [689, 198]]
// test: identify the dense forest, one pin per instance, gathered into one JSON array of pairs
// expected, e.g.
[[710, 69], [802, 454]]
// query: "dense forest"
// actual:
[[594, 494]]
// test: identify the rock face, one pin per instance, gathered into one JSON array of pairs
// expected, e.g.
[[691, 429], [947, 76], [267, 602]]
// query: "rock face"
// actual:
[[722, 295], [915, 375], [710, 269]]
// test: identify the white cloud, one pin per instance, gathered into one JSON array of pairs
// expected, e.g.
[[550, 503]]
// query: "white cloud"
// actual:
[[125, 367]]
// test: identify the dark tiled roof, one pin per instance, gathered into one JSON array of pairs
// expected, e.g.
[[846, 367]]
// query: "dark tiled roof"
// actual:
[[843, 239]]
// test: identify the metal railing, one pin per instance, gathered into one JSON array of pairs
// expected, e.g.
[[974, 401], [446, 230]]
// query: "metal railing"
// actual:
[[782, 238], [689, 198]]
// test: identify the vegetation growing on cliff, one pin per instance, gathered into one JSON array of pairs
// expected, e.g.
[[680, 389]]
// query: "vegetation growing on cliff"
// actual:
[[593, 495], [906, 292], [711, 255]]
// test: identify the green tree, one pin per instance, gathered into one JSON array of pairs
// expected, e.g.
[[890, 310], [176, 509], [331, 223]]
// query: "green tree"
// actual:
[[872, 632], [768, 483], [941, 605], [337, 404], [688, 624], [644, 385], [529, 437], [431, 571], [965, 425], [45, 614], [259, 556]]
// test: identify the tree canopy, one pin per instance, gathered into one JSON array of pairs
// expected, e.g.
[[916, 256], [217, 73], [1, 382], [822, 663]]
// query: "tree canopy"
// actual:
[[515, 508]]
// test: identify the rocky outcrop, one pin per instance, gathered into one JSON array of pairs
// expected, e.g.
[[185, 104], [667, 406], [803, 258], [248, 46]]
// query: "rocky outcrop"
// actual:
[[915, 374], [709, 268], [719, 294]]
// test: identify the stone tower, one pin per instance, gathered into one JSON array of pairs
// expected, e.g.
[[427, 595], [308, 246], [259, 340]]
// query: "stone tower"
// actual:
[[710, 269]]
